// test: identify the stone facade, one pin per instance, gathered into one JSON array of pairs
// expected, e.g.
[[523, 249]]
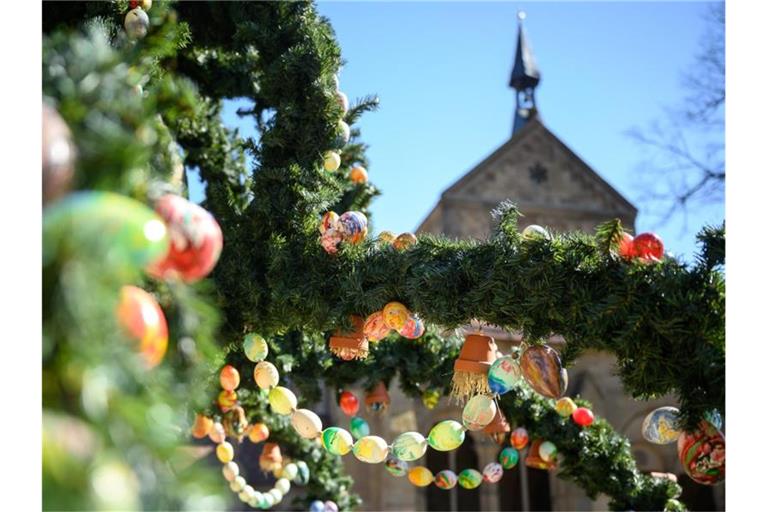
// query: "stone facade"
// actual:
[[552, 187]]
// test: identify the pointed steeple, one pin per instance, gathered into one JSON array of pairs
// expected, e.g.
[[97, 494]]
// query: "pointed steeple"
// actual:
[[524, 78]]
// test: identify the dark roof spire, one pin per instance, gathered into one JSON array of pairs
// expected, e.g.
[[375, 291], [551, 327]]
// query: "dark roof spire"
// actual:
[[525, 72], [524, 78]]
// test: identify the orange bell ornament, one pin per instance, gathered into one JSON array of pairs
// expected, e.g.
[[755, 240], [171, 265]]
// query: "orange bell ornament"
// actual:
[[270, 459], [470, 371], [377, 399], [350, 345]]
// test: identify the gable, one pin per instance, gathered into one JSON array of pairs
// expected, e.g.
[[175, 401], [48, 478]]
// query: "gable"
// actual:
[[536, 170]]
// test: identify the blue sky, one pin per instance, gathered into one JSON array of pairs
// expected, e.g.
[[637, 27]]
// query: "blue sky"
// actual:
[[441, 71]]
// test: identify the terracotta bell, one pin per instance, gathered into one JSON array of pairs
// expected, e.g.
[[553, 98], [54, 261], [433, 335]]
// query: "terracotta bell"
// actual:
[[377, 399], [350, 345], [470, 371], [270, 459], [534, 460], [498, 428]]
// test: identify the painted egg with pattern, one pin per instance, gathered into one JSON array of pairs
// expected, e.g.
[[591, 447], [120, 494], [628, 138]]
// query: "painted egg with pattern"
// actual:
[[503, 374], [359, 427], [195, 240], [302, 473], [702, 454], [337, 441], [141, 318], [493, 472], [255, 347], [509, 457], [446, 479], [395, 315], [409, 446], [519, 438], [543, 371], [660, 425], [478, 412], [354, 226], [565, 407], [330, 220], [370, 449], [374, 327], [470, 478], [282, 400], [395, 466], [265, 374], [447, 435], [548, 451], [413, 328]]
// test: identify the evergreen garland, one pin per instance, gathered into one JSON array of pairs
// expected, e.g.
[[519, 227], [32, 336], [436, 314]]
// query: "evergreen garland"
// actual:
[[664, 322]]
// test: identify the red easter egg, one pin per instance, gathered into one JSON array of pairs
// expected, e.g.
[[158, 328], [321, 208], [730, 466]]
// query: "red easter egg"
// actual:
[[349, 403], [229, 378], [627, 246], [519, 438], [702, 454], [583, 416], [648, 247], [142, 319], [195, 240]]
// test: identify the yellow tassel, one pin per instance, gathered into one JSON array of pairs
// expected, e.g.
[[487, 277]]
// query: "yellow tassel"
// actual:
[[467, 385]]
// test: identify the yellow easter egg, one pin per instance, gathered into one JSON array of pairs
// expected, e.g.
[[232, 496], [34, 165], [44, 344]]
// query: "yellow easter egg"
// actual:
[[225, 452], [282, 400], [420, 476], [395, 315], [265, 374]]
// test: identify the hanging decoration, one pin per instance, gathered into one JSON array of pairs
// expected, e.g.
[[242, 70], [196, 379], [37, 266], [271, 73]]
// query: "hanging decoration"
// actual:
[[377, 399], [648, 248], [337, 440], [409, 446], [519, 438], [359, 427], [702, 454], [370, 449], [395, 466], [331, 161], [470, 371], [404, 241], [358, 175], [350, 345], [478, 412], [446, 480], [348, 403], [141, 317], [543, 371], [492, 472], [195, 240], [470, 478], [509, 457], [255, 347], [534, 231], [202, 426], [258, 432], [420, 476], [395, 316], [660, 426], [136, 23], [271, 458], [351, 227], [565, 407], [498, 428], [534, 458], [446, 436], [236, 423], [503, 374], [583, 416]]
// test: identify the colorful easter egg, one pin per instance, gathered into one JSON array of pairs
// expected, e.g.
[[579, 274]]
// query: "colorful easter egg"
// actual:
[[255, 347], [409, 446], [306, 423], [283, 485], [648, 247], [124, 233], [258, 433], [565, 407], [509, 457], [714, 418], [330, 220], [359, 427], [229, 378], [543, 371], [238, 484], [331, 506], [337, 441], [330, 240], [395, 466], [230, 470], [395, 315], [342, 134], [269, 500], [446, 436], [348, 403], [519, 438], [702, 454], [420, 476], [503, 374], [547, 451], [627, 246], [404, 241], [446, 479], [354, 226], [493, 472], [374, 327], [195, 240], [370, 449], [413, 328], [141, 318], [302, 474], [470, 478], [265, 374], [478, 412], [660, 426], [317, 506], [282, 400]]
